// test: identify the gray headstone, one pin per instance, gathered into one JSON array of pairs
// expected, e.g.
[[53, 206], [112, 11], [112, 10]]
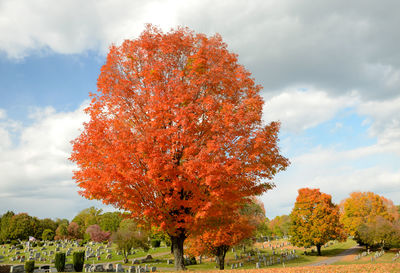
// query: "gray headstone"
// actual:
[[109, 267], [99, 268], [17, 269], [86, 267], [119, 268], [69, 268]]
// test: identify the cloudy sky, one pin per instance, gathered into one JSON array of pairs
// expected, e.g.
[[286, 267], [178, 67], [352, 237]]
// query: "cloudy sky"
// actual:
[[330, 72]]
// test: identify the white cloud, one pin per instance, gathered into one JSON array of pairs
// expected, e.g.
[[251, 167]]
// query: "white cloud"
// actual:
[[73, 26], [284, 43], [299, 110], [384, 117], [36, 172]]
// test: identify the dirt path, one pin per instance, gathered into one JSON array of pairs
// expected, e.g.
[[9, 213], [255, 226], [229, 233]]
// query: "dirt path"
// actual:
[[338, 257]]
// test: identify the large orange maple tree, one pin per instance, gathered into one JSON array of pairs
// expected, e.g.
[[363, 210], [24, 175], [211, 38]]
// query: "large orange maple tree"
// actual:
[[174, 127], [315, 219]]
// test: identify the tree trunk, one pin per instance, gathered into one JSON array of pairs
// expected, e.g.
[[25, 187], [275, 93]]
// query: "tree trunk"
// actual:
[[319, 250], [221, 252], [177, 248], [124, 253]]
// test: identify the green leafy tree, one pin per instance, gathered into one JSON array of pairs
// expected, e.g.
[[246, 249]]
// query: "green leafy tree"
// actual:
[[21, 226], [157, 234], [128, 236], [48, 234], [110, 221], [315, 220], [61, 232], [61, 221], [280, 225], [48, 223], [88, 217], [5, 225], [263, 229], [37, 228]]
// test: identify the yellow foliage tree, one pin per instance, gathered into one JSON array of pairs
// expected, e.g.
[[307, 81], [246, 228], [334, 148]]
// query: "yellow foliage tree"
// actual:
[[363, 208], [315, 220]]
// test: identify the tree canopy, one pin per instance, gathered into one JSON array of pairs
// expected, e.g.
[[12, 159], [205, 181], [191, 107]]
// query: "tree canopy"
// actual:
[[315, 219], [370, 217], [228, 228], [364, 207], [175, 126]]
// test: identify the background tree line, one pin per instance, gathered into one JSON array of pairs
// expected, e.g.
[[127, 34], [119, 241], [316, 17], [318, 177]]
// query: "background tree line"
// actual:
[[89, 224]]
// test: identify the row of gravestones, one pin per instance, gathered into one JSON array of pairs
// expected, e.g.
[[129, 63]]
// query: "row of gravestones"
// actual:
[[278, 260], [235, 265], [41, 257], [118, 268], [91, 253], [33, 254], [363, 254], [377, 255], [44, 268], [89, 268]]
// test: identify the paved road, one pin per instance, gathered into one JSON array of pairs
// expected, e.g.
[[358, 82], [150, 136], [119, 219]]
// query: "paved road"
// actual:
[[338, 257]]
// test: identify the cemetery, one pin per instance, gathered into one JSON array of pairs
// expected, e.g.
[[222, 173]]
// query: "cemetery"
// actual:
[[100, 257]]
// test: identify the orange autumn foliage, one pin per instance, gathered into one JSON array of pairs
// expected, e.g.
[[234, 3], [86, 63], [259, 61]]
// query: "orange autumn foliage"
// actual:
[[315, 219], [363, 208], [174, 127], [223, 233], [230, 226]]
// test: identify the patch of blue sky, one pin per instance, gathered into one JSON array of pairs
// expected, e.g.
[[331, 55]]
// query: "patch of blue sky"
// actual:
[[57, 80], [347, 130]]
